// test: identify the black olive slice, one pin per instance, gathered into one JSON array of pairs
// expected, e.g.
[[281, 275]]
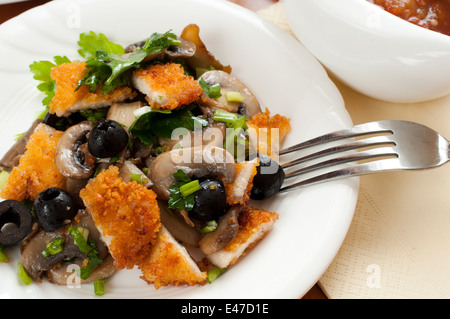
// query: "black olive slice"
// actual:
[[54, 208], [107, 139], [267, 182], [15, 222], [210, 200]]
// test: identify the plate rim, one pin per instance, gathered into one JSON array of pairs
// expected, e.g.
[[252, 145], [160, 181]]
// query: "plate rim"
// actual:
[[321, 73]]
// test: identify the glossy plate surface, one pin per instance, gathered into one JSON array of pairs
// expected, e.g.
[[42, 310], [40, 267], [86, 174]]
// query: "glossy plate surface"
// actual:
[[282, 74]]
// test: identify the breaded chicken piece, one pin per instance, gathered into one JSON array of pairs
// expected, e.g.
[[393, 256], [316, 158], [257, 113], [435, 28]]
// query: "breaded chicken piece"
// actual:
[[67, 100], [166, 86], [171, 264], [262, 124], [37, 170], [127, 215], [253, 225], [239, 191]]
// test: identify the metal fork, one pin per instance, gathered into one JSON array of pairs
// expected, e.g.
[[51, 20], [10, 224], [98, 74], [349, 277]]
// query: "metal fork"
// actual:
[[382, 146]]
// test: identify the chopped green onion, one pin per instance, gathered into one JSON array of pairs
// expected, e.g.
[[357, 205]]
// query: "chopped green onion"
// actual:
[[80, 235], [199, 71], [136, 177], [232, 119], [79, 238], [18, 136], [214, 273], [212, 91], [4, 175], [210, 226], [114, 159], [99, 287], [53, 248], [22, 274], [234, 96], [189, 188], [224, 116], [3, 257]]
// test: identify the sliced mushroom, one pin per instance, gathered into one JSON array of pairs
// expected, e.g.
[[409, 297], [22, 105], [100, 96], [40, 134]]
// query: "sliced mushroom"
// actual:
[[128, 169], [123, 113], [194, 161], [186, 50], [38, 266], [64, 274], [72, 156], [211, 135], [228, 83], [177, 226], [226, 231], [12, 156], [202, 58]]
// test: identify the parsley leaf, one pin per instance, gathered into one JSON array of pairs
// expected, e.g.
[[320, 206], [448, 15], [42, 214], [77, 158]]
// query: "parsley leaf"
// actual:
[[90, 42], [41, 72], [176, 199], [212, 91], [110, 68], [163, 123]]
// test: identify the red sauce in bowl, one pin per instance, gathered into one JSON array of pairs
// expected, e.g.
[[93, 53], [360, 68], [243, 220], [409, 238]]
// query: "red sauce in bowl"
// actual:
[[430, 14]]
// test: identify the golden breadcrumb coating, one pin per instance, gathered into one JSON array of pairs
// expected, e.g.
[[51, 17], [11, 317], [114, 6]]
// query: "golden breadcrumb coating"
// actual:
[[166, 86], [262, 123], [126, 213], [170, 264], [239, 191], [250, 221], [254, 224], [37, 170], [67, 100]]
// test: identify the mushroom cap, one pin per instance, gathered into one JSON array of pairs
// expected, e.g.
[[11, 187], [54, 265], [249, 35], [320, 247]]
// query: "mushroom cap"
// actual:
[[72, 156], [229, 83], [193, 161]]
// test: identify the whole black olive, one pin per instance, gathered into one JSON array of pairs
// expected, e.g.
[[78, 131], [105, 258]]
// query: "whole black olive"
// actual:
[[268, 179], [15, 222], [210, 200], [54, 208], [107, 139]]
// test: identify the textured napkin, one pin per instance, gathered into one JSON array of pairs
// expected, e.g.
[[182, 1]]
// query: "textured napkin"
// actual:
[[398, 245]]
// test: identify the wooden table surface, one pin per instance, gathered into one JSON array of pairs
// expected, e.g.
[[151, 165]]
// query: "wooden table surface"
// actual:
[[8, 11]]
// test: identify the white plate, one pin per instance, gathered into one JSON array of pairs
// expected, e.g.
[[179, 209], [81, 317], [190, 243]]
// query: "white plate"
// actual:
[[283, 75]]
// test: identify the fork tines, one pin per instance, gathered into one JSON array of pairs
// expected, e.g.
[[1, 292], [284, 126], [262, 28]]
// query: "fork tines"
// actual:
[[367, 142]]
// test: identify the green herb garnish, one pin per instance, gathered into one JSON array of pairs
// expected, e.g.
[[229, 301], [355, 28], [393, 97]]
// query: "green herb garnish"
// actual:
[[212, 91], [236, 125], [99, 287], [23, 275], [53, 248], [176, 199], [162, 123], [110, 69], [189, 188], [214, 273], [210, 226], [87, 247], [95, 115], [3, 257], [41, 72], [90, 42]]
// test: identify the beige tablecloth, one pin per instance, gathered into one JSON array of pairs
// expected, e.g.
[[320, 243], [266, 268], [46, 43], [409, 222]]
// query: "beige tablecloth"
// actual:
[[398, 245]]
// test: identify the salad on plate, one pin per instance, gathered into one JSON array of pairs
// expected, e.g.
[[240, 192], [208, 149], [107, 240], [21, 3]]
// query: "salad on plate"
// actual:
[[146, 156]]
